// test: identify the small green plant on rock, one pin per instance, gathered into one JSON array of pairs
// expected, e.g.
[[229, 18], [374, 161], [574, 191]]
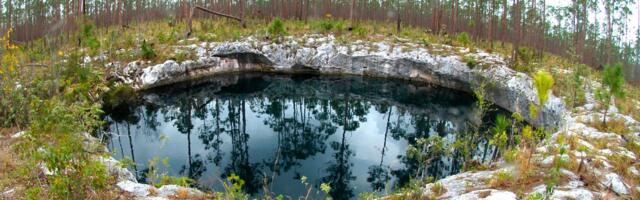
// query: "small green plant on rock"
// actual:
[[543, 82], [470, 61], [438, 189], [118, 96], [501, 179], [159, 179], [612, 86], [499, 135], [233, 188], [534, 196]]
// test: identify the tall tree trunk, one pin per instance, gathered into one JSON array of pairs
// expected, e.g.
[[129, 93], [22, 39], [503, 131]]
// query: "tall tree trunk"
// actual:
[[491, 24], [608, 9], [353, 4], [10, 14], [534, 18], [2, 26], [504, 22], [242, 22], [576, 29], [544, 28], [398, 16], [434, 13], [583, 29], [479, 19], [120, 12], [517, 25], [454, 16], [80, 8]]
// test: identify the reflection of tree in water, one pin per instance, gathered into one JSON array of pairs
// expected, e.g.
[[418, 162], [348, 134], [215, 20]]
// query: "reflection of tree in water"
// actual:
[[186, 110], [127, 117], [240, 165], [302, 125], [348, 114], [379, 174], [210, 132], [298, 139], [424, 127]]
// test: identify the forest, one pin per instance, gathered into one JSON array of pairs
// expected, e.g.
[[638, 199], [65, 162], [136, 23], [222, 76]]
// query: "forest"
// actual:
[[593, 32], [319, 99]]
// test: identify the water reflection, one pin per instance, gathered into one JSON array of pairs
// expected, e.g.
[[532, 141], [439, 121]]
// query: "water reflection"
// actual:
[[270, 130]]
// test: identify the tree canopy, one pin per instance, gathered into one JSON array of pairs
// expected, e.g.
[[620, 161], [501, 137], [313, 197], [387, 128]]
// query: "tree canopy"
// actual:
[[594, 32]]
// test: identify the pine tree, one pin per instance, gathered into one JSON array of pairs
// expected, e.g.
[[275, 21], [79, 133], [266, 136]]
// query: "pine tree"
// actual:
[[612, 86]]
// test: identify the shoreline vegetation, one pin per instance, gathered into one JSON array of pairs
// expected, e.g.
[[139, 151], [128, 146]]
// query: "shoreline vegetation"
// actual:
[[57, 94]]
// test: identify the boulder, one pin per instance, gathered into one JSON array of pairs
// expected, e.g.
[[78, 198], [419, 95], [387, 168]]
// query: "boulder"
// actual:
[[137, 189]]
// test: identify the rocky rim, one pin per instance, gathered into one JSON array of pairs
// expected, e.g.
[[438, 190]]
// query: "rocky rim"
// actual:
[[397, 58]]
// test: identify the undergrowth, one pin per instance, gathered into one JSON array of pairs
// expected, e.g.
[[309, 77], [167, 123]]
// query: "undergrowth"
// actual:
[[59, 103]]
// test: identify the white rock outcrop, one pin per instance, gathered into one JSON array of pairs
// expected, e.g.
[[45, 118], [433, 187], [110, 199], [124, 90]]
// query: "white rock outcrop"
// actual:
[[145, 191], [439, 64], [509, 89]]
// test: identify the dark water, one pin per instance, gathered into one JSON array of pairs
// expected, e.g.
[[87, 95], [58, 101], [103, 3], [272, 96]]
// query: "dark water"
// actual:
[[349, 132]]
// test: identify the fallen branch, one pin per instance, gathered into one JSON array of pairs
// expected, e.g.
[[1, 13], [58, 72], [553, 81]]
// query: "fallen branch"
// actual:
[[218, 13], [189, 25]]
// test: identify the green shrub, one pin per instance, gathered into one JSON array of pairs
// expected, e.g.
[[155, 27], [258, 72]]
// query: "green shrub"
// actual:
[[511, 155], [438, 189], [612, 85], [167, 38], [534, 196], [339, 26], [56, 128], [471, 61], [463, 39], [500, 132], [526, 55], [207, 37], [180, 56], [577, 94], [359, 31], [329, 25], [613, 79], [89, 38], [206, 25], [325, 25], [501, 179], [146, 51], [117, 96], [175, 180], [543, 82], [276, 28], [233, 188]]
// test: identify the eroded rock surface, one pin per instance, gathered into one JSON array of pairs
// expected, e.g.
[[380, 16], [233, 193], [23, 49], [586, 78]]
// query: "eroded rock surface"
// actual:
[[441, 65]]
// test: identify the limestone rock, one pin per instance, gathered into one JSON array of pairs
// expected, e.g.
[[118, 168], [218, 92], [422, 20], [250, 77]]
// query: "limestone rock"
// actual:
[[18, 135], [616, 183], [155, 73], [112, 166], [137, 189], [512, 90], [579, 193], [489, 194], [172, 190]]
